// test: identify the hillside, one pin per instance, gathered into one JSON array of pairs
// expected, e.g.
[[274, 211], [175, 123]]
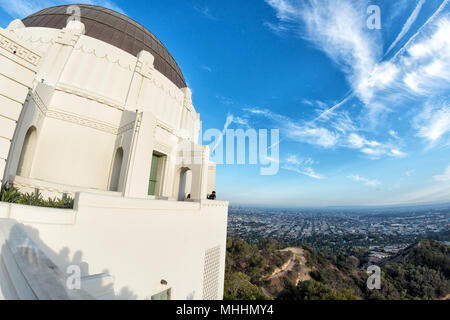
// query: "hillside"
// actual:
[[421, 271]]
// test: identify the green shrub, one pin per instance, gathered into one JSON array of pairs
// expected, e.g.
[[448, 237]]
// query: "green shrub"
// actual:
[[31, 199], [12, 195], [9, 195]]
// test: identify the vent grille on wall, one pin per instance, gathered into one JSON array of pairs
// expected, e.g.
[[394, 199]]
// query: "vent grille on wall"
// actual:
[[211, 274]]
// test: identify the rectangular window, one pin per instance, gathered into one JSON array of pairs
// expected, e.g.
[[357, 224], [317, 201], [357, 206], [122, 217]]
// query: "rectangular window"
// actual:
[[165, 295], [153, 175]]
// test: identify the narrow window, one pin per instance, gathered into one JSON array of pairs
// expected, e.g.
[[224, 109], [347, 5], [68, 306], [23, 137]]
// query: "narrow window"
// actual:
[[117, 168], [185, 184], [26, 156], [153, 175]]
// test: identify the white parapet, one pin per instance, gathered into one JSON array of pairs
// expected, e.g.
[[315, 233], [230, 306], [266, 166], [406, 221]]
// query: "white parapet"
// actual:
[[134, 244]]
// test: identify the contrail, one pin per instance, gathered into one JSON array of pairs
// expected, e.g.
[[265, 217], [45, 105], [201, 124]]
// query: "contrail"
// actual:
[[412, 18], [435, 14], [348, 96]]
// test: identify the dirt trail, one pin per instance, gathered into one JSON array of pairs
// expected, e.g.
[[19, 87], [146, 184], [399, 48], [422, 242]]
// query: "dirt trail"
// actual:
[[297, 258]]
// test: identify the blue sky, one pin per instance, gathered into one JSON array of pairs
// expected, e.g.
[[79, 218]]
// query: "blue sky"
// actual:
[[363, 114]]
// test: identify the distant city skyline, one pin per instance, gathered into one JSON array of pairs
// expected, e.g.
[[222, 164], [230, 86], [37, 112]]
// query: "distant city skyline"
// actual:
[[363, 114]]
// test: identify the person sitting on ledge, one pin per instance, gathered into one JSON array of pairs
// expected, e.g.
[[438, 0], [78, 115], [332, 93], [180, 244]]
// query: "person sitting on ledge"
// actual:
[[212, 196]]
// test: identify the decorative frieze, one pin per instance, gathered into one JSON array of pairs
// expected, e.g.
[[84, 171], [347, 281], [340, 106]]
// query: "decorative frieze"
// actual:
[[80, 120], [66, 88], [19, 50]]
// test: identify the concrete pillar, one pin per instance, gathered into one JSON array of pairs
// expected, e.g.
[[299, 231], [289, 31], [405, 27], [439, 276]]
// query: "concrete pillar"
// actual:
[[59, 53], [139, 162]]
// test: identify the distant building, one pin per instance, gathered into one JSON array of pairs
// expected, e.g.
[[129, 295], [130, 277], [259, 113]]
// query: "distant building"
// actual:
[[97, 109]]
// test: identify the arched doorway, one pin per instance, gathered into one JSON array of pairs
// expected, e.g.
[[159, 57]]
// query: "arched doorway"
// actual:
[[27, 153], [185, 184], [117, 168]]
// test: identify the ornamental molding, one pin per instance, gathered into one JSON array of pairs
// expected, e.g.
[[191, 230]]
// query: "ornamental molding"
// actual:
[[123, 62], [167, 150], [39, 103], [80, 120], [125, 128], [177, 96], [166, 127], [19, 50], [70, 89]]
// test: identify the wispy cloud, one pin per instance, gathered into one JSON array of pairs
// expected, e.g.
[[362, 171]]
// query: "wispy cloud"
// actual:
[[311, 134], [374, 148], [409, 22], [365, 181], [427, 65], [302, 166], [409, 173], [443, 177], [417, 71], [206, 68], [286, 10], [433, 122], [231, 119], [340, 133], [425, 25], [205, 11]]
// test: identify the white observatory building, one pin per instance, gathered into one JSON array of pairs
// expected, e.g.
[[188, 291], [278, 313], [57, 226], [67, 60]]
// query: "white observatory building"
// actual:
[[98, 110]]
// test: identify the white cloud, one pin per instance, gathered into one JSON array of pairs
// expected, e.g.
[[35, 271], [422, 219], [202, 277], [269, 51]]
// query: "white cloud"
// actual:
[[421, 68], [397, 153], [430, 20], [313, 135], [307, 171], [206, 68], [278, 29], [409, 173], [286, 10], [443, 177], [339, 135], [409, 22], [365, 181], [338, 28], [301, 166], [295, 160], [205, 11], [427, 65], [229, 121], [356, 141], [433, 122], [373, 148], [394, 134], [301, 132]]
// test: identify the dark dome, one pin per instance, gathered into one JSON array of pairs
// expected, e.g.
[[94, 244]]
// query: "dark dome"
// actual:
[[116, 29]]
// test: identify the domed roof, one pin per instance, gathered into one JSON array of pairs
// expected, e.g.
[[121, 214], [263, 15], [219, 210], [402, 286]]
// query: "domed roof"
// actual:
[[116, 29]]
